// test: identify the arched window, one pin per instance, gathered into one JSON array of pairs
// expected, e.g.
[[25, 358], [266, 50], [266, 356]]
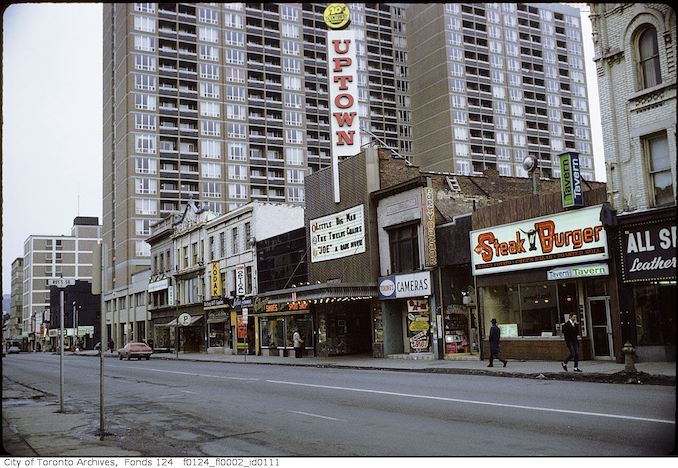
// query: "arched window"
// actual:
[[648, 59]]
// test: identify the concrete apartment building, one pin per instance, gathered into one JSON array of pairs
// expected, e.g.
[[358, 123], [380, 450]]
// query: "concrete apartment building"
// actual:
[[635, 55], [227, 103], [52, 256], [492, 83]]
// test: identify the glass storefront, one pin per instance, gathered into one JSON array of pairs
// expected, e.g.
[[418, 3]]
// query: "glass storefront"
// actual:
[[655, 309], [532, 309], [458, 321], [219, 335], [276, 332]]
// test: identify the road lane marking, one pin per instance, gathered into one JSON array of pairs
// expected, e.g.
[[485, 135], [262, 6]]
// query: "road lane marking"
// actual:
[[316, 416], [476, 402], [187, 373], [188, 391]]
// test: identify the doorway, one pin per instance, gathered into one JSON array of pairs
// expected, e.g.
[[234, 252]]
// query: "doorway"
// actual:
[[601, 330]]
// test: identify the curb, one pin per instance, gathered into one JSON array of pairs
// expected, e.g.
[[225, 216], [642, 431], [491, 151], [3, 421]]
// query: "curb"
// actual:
[[621, 377]]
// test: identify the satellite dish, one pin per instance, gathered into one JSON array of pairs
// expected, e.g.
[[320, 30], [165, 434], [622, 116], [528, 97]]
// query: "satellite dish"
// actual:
[[529, 164]]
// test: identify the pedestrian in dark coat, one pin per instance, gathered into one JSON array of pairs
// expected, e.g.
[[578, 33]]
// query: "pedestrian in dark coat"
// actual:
[[571, 334], [495, 336]]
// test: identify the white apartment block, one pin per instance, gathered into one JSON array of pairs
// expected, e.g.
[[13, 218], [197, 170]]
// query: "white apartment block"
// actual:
[[635, 55], [53, 256]]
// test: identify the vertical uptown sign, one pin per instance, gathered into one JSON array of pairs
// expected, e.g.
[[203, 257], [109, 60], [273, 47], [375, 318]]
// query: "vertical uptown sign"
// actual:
[[570, 180], [343, 88]]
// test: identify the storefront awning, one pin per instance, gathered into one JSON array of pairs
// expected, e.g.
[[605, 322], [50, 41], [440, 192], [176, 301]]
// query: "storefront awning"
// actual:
[[173, 323], [217, 320], [317, 294], [169, 324]]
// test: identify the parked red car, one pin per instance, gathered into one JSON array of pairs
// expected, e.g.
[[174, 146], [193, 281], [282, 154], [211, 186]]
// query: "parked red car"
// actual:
[[137, 350]]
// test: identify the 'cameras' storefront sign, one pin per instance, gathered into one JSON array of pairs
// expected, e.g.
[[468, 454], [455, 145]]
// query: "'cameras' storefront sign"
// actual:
[[563, 238], [338, 235], [343, 87], [570, 180], [410, 285]]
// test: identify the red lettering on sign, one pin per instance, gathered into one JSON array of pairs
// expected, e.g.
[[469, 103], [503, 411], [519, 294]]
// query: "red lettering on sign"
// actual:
[[345, 138], [342, 80], [341, 62], [344, 118], [348, 101], [336, 43]]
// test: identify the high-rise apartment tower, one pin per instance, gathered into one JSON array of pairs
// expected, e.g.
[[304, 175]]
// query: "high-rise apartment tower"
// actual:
[[493, 83], [227, 103]]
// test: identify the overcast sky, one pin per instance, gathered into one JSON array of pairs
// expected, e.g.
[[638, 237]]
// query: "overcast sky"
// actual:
[[51, 141]]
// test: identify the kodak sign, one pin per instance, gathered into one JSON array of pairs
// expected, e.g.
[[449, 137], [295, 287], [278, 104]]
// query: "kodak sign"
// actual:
[[563, 238]]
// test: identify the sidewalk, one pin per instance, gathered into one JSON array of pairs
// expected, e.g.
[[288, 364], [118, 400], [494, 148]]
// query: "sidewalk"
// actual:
[[33, 426], [656, 373]]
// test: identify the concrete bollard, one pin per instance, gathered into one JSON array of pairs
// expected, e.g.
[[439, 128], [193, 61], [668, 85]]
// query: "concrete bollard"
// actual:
[[629, 361]]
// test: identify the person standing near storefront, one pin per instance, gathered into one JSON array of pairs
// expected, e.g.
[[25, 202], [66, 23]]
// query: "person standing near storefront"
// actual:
[[298, 343], [495, 336], [571, 332]]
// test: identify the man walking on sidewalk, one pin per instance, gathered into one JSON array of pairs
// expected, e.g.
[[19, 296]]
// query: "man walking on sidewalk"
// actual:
[[571, 333], [495, 336]]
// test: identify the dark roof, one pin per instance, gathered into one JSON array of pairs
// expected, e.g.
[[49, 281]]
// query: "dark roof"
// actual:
[[86, 221]]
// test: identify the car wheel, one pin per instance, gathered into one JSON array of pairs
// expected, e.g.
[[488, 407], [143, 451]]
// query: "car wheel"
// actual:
[[148, 357], [120, 356]]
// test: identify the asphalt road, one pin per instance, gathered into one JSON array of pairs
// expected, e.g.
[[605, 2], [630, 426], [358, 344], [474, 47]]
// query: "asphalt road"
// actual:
[[170, 408]]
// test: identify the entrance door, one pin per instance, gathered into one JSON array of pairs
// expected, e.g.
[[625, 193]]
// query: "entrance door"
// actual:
[[601, 330]]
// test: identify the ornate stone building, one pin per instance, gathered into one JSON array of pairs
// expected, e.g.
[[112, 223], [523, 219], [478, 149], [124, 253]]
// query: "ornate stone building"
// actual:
[[635, 55]]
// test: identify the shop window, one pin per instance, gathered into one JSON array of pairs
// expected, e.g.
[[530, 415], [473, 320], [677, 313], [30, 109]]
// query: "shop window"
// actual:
[[404, 248], [539, 309], [217, 335], [276, 332], [502, 303], [596, 287], [303, 324], [567, 300], [272, 332], [529, 309], [655, 309]]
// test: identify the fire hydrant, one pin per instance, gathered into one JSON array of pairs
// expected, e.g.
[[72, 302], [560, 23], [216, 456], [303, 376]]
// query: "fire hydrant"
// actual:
[[629, 361]]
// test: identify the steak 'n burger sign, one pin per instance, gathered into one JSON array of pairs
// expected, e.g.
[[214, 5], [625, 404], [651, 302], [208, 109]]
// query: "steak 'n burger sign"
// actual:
[[563, 238]]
